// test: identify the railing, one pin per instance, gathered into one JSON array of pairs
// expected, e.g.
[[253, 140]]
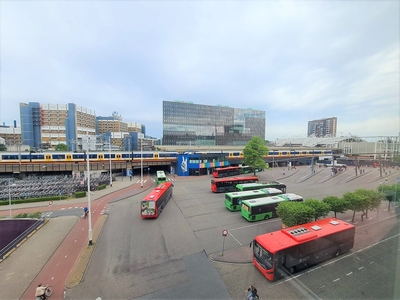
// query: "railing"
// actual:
[[22, 236]]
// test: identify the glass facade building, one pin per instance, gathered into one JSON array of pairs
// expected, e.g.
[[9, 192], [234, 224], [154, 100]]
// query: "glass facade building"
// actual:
[[185, 123]]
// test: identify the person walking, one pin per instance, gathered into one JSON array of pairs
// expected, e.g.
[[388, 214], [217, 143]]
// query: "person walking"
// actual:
[[252, 293]]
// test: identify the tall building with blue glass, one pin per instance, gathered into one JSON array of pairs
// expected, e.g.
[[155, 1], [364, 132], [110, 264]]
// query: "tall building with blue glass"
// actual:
[[185, 123]]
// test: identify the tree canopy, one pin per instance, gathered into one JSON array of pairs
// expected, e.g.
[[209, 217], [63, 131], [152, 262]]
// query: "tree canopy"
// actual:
[[61, 147], [320, 209], [3, 147], [254, 153], [336, 204], [390, 192], [294, 213]]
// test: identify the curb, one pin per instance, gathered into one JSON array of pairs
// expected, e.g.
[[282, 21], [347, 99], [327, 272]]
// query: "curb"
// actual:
[[71, 283]]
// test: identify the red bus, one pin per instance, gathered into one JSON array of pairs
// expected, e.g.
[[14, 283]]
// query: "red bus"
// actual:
[[281, 253], [152, 205], [226, 172], [226, 185]]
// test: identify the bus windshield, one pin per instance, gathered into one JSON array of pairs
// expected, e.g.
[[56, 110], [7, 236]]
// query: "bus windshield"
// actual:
[[148, 208], [263, 256], [161, 177]]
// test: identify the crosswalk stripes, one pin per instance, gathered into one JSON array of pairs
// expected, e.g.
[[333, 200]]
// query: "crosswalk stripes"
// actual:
[[168, 179], [106, 210], [141, 181], [46, 214]]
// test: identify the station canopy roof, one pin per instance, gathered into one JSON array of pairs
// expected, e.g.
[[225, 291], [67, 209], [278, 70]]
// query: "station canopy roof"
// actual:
[[311, 141]]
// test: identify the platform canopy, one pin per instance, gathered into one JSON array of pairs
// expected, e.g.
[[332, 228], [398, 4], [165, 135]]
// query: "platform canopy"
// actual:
[[311, 141]]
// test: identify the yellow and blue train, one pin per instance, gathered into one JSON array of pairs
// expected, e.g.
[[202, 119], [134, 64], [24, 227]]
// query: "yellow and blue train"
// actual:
[[55, 157]]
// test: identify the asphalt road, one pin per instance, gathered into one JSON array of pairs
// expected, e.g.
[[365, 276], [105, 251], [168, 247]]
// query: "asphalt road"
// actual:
[[168, 257]]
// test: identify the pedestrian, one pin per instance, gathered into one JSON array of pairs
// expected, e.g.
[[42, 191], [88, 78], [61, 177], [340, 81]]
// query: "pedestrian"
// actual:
[[251, 293]]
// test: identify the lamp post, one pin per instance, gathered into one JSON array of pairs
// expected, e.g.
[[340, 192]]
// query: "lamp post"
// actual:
[[109, 146], [141, 163], [273, 163], [9, 195], [88, 191]]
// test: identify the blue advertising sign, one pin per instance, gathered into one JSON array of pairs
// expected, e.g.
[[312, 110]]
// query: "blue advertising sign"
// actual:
[[183, 168]]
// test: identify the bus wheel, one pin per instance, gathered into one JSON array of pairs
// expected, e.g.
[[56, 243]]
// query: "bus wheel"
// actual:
[[266, 217], [292, 270], [337, 253]]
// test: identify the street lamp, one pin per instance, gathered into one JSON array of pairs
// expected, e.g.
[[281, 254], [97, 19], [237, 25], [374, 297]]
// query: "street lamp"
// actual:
[[9, 194], [88, 190], [109, 146], [141, 163], [273, 163]]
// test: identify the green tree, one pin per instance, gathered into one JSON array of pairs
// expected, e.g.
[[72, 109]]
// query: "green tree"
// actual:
[[320, 209], [254, 153], [390, 192], [3, 147], [357, 201], [375, 200], [294, 213], [336, 204], [61, 147]]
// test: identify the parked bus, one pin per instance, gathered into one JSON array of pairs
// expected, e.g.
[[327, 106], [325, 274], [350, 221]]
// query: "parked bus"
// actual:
[[153, 204], [265, 208], [257, 186], [226, 172], [225, 185], [283, 252], [233, 201], [248, 169], [233, 171], [161, 177]]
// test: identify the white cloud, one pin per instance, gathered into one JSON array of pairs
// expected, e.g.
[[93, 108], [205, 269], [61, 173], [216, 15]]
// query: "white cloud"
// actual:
[[297, 60]]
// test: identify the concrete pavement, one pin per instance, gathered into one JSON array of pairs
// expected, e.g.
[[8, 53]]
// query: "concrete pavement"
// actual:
[[57, 244], [244, 254], [22, 269]]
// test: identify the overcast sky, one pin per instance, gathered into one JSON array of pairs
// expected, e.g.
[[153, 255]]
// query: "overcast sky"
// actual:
[[297, 60]]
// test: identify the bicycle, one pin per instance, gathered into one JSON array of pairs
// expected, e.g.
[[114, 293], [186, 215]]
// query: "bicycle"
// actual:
[[47, 293]]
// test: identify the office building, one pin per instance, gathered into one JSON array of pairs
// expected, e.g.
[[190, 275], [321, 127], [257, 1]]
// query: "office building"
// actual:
[[322, 127], [185, 123], [44, 126], [11, 135]]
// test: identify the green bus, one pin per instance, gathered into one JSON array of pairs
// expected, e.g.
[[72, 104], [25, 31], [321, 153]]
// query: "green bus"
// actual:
[[161, 177], [265, 208], [233, 201], [256, 186], [247, 170]]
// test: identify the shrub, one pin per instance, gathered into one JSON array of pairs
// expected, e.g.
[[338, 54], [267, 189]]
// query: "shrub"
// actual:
[[80, 194]]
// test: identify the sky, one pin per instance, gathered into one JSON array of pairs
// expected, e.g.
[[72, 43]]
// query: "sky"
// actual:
[[296, 60]]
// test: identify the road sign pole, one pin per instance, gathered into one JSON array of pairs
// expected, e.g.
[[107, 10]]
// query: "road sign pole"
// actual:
[[224, 234]]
